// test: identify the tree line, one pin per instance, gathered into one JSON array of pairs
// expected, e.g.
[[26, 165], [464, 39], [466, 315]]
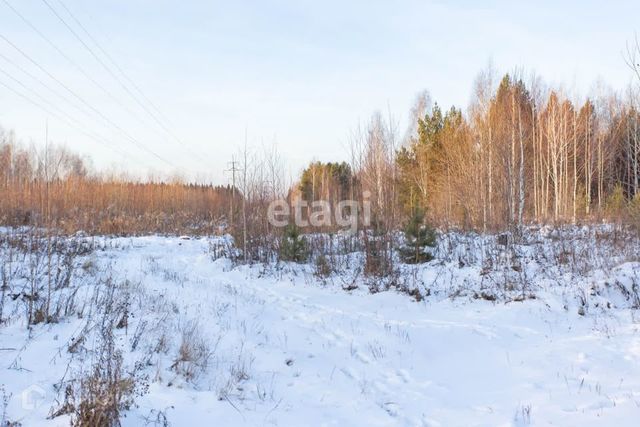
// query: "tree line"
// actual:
[[52, 187], [522, 152]]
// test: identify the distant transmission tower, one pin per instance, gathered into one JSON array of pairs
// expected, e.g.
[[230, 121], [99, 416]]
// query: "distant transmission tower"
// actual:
[[233, 169]]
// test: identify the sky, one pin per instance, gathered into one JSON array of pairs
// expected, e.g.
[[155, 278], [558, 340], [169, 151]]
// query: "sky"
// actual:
[[298, 74]]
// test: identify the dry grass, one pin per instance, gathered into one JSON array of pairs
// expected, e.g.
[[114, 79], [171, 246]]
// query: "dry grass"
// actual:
[[194, 353]]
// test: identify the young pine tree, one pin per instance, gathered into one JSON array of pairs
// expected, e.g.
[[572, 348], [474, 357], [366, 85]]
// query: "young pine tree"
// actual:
[[418, 237], [293, 247]]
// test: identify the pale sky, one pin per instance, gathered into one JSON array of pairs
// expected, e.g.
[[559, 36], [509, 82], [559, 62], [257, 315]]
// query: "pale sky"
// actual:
[[301, 74]]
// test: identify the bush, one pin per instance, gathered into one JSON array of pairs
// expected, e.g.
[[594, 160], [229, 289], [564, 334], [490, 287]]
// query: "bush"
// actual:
[[323, 267], [378, 249], [378, 256], [103, 395]]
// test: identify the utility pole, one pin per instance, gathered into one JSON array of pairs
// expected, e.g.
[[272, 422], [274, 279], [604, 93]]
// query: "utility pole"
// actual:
[[244, 199], [233, 169]]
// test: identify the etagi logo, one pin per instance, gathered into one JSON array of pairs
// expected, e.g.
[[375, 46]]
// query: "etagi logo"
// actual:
[[346, 213], [32, 397]]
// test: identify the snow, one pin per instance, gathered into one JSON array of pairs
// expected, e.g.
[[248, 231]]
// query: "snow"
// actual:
[[288, 349]]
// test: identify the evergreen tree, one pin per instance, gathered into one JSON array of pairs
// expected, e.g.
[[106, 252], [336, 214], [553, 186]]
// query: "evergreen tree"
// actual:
[[325, 181], [418, 237], [293, 247], [419, 162]]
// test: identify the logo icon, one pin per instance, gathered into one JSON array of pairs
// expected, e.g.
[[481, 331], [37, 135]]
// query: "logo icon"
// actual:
[[32, 397]]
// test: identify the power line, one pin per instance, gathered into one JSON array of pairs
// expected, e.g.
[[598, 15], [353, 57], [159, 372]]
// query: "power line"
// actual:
[[71, 61], [96, 138], [43, 84], [50, 104], [33, 92], [92, 80], [74, 94], [109, 70], [48, 88], [69, 120], [112, 61]]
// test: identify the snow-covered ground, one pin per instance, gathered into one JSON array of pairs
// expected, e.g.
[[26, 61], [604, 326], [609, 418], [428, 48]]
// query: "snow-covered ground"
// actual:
[[278, 346]]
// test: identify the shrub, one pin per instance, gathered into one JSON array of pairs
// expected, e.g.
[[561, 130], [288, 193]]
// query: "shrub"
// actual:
[[323, 266], [378, 249], [103, 395]]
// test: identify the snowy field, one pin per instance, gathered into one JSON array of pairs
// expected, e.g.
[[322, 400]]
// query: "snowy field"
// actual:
[[546, 333]]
